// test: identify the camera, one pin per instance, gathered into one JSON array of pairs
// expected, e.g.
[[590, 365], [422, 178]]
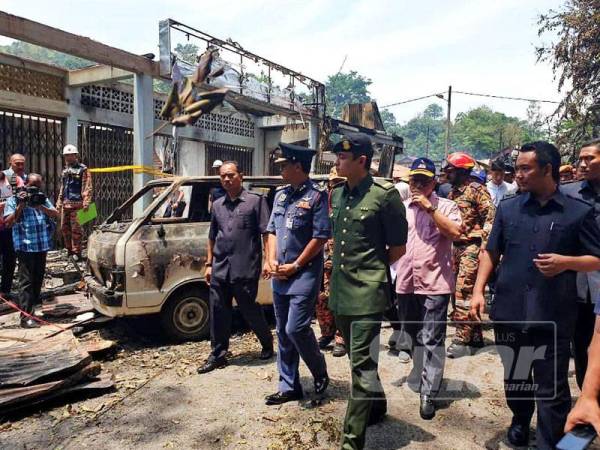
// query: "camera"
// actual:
[[33, 197]]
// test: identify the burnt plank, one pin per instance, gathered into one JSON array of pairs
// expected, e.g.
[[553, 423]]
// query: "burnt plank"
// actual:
[[41, 360]]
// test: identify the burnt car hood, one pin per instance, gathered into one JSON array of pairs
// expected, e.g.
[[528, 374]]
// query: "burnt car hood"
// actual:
[[102, 246]]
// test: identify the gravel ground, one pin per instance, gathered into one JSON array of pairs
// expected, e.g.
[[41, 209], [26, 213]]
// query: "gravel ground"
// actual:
[[162, 403]]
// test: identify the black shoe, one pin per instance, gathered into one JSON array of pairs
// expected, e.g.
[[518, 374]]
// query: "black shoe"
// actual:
[[266, 353], [321, 384], [29, 323], [427, 407], [212, 364], [518, 434], [376, 417], [279, 398], [339, 350], [458, 350], [324, 341]]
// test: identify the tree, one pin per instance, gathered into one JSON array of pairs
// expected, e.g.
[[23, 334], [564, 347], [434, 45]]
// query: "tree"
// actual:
[[576, 64], [483, 132], [424, 134], [343, 89], [41, 54], [187, 52], [389, 122]]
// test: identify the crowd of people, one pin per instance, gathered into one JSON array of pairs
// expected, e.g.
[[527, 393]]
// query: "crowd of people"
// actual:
[[512, 239], [521, 239], [28, 223]]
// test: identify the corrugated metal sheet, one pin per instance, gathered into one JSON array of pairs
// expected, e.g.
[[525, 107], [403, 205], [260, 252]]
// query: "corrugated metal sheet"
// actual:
[[42, 360]]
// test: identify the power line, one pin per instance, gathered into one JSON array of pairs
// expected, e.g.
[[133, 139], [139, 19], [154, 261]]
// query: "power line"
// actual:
[[506, 98], [439, 95]]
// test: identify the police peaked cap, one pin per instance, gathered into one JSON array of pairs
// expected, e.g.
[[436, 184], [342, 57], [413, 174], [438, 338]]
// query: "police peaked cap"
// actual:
[[295, 154]]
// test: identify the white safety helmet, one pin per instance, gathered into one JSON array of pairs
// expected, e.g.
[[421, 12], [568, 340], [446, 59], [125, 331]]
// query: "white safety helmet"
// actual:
[[70, 149], [218, 163]]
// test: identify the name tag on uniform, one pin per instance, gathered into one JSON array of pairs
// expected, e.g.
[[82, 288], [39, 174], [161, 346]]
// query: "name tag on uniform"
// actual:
[[303, 205], [289, 222]]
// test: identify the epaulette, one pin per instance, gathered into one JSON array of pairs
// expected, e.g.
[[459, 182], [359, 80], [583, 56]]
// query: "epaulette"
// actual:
[[581, 200], [279, 188], [384, 184]]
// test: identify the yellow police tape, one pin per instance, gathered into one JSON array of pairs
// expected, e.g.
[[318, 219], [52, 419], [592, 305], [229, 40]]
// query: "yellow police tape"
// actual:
[[136, 169]]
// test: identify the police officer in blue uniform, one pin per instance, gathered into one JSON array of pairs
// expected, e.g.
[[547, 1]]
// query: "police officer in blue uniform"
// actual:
[[299, 228], [539, 240]]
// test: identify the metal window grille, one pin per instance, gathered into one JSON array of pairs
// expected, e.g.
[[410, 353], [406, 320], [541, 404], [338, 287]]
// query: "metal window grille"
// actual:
[[40, 139], [107, 146], [242, 155]]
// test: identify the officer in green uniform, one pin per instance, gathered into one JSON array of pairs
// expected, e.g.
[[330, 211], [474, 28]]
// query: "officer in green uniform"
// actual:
[[369, 233]]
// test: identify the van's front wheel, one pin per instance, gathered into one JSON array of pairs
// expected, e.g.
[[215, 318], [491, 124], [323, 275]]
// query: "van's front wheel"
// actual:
[[186, 315]]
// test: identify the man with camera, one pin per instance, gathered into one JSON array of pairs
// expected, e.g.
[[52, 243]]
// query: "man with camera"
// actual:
[[31, 216]]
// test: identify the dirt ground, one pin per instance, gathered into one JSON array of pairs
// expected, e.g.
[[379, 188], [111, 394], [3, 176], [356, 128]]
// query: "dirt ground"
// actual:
[[161, 402]]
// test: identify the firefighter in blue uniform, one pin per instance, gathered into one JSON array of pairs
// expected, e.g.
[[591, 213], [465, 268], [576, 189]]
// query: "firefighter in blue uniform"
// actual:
[[299, 228]]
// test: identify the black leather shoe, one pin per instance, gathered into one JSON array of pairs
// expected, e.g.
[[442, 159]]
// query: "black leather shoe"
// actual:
[[427, 408], [324, 341], [266, 353], [518, 434], [279, 398], [29, 323], [212, 364], [321, 384]]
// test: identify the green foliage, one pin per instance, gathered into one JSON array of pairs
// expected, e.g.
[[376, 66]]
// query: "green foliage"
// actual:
[[187, 52], [575, 30], [343, 89], [424, 134], [43, 55], [483, 132]]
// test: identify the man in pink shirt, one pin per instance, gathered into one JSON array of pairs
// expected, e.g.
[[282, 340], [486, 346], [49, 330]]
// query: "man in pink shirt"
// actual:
[[425, 280]]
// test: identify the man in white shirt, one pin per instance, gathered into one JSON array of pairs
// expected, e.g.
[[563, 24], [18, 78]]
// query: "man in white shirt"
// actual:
[[497, 187], [403, 189]]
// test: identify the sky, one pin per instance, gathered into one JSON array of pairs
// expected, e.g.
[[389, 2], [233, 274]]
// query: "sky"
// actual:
[[407, 48]]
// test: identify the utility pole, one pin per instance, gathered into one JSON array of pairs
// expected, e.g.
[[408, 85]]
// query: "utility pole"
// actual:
[[427, 147], [448, 122]]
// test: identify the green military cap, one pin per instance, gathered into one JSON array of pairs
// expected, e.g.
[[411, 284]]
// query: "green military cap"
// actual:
[[357, 143]]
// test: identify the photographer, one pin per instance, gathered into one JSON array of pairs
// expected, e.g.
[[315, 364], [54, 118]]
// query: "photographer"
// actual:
[[31, 216]]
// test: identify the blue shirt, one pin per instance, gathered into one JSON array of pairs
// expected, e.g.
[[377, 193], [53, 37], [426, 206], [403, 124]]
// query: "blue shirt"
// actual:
[[522, 230], [236, 228], [299, 216], [33, 231]]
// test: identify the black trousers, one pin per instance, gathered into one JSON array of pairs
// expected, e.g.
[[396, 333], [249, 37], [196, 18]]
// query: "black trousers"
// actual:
[[9, 260], [32, 266], [582, 338], [536, 365], [221, 295]]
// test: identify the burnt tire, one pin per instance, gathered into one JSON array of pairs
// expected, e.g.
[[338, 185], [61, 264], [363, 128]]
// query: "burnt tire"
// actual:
[[186, 315]]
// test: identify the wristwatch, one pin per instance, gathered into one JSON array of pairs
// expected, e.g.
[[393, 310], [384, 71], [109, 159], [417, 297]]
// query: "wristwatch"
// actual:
[[296, 266], [432, 209], [207, 264]]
